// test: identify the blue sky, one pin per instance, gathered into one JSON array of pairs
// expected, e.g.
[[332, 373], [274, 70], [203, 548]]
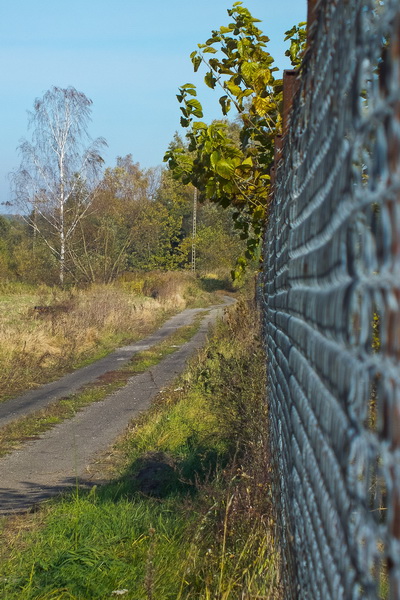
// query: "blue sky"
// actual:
[[129, 57]]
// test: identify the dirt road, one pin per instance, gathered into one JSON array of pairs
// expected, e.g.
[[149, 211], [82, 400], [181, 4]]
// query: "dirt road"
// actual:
[[61, 458]]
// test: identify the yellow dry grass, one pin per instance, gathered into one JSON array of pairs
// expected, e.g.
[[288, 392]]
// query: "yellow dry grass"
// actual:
[[48, 332]]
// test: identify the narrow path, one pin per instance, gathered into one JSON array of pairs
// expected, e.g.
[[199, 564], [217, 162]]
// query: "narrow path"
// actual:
[[61, 458], [38, 398]]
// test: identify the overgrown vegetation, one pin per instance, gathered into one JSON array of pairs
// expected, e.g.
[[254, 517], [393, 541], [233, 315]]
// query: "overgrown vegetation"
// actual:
[[137, 219], [46, 332], [187, 514]]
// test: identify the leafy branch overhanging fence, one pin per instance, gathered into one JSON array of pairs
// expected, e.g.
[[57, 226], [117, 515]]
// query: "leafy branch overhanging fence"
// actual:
[[331, 301]]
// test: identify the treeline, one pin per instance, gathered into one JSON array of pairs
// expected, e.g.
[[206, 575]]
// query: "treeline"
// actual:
[[139, 219]]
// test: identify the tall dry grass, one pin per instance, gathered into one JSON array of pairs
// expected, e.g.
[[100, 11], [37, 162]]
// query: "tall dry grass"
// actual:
[[45, 332]]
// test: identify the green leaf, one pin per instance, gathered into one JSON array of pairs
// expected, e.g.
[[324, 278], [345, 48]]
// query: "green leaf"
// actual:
[[244, 166], [225, 103], [252, 244], [224, 201], [233, 88], [195, 108], [213, 40], [211, 187], [185, 122], [259, 213], [215, 64], [248, 70], [215, 158], [188, 88], [228, 189], [197, 125], [290, 32], [209, 50], [224, 169], [263, 105], [210, 80], [196, 61]]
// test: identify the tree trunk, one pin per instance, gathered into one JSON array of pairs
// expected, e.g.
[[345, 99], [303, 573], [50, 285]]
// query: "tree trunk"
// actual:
[[62, 258]]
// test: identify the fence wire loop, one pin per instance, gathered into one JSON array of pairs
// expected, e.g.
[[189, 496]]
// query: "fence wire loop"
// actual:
[[331, 297]]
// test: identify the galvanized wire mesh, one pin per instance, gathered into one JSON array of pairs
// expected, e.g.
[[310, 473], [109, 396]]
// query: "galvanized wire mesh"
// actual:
[[331, 293]]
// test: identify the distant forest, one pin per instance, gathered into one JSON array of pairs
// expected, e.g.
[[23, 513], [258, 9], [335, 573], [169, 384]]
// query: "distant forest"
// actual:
[[139, 219]]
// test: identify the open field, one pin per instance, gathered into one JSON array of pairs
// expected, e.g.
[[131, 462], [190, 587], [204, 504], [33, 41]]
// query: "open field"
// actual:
[[46, 332]]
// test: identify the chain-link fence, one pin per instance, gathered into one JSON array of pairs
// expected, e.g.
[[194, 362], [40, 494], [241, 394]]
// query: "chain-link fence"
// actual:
[[331, 294]]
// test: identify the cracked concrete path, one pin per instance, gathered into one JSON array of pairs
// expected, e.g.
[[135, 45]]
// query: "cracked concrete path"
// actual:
[[62, 456]]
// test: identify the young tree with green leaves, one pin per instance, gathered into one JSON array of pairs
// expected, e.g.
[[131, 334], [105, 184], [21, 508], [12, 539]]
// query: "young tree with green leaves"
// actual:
[[225, 172]]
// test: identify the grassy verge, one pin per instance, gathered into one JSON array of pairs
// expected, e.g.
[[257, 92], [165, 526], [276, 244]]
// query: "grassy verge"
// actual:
[[187, 514], [28, 428]]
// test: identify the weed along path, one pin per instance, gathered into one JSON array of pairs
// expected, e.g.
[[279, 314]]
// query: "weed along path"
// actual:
[[36, 399], [61, 457]]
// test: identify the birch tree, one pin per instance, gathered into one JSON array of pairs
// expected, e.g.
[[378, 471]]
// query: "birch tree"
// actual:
[[58, 175]]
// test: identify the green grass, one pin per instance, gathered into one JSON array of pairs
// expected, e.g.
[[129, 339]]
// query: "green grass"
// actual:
[[187, 513], [13, 435]]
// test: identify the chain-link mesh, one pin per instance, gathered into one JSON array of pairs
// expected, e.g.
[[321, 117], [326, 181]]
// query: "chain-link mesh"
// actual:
[[331, 295]]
